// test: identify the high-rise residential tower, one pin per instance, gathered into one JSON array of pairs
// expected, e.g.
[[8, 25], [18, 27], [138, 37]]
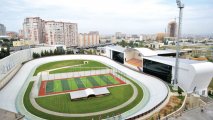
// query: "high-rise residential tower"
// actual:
[[50, 32], [172, 29], [33, 28]]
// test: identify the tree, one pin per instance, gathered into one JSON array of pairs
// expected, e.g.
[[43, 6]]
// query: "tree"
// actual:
[[70, 52], [136, 45], [123, 43], [46, 53], [180, 91], [62, 52], [4, 52], [81, 51], [8, 50], [42, 53], [131, 44], [55, 52], [51, 53], [36, 55], [141, 44], [94, 52]]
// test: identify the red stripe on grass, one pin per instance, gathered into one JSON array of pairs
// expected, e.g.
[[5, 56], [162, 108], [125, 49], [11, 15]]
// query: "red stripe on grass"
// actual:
[[118, 79], [42, 90]]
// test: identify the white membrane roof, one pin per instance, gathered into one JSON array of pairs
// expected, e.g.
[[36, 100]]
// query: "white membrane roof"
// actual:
[[87, 92]]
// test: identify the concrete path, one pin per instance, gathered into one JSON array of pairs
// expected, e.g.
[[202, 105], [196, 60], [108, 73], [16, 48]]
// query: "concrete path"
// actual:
[[48, 71], [196, 114]]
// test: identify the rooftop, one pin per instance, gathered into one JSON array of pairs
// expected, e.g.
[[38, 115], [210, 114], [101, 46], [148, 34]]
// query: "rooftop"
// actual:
[[171, 59], [117, 48], [169, 51], [146, 51]]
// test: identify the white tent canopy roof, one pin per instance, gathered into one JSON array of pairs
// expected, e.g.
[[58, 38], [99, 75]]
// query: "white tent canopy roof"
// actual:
[[87, 92]]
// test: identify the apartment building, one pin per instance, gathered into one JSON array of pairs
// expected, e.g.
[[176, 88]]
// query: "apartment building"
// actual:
[[21, 34], [50, 32], [33, 28], [88, 40]]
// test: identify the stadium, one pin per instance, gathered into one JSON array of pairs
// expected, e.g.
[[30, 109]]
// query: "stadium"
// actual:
[[79, 87]]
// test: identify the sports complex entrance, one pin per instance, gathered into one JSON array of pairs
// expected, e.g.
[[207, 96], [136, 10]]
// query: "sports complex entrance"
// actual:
[[157, 69], [118, 56]]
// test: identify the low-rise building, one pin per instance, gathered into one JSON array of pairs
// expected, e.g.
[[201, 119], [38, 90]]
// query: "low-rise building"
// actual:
[[194, 76], [22, 43]]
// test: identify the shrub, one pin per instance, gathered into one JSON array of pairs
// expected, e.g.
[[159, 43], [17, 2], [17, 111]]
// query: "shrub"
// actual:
[[36, 55], [51, 53], [179, 91]]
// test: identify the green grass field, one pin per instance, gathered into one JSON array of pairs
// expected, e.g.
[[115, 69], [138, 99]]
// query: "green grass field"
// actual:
[[92, 65], [118, 95], [80, 83], [58, 64], [36, 112]]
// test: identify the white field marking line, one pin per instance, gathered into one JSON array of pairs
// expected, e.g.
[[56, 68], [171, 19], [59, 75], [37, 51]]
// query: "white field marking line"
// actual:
[[59, 68]]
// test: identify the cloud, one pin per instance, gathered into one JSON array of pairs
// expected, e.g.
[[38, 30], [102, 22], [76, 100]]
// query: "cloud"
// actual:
[[108, 16]]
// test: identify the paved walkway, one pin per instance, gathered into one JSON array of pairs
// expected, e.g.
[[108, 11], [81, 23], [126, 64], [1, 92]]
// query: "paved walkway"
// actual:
[[135, 93], [196, 114], [7, 115]]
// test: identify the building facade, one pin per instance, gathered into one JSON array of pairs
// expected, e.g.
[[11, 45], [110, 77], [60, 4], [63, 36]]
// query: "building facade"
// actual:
[[33, 28], [50, 32], [2, 29], [89, 40], [12, 34]]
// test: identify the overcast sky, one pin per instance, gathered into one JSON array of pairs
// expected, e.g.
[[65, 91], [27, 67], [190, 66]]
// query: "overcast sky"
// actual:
[[110, 16]]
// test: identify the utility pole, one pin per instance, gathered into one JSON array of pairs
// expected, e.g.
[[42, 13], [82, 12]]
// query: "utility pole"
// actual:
[[180, 6]]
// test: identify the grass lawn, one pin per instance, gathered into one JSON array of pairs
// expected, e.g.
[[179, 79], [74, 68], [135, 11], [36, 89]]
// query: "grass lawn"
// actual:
[[36, 112], [62, 103], [85, 67], [78, 83], [57, 64]]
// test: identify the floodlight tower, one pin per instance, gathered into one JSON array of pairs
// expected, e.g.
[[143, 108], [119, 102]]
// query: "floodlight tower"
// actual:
[[180, 6]]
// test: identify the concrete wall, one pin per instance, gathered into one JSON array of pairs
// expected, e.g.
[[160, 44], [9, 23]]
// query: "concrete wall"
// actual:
[[132, 54], [129, 55], [136, 55], [202, 78], [11, 64], [191, 75]]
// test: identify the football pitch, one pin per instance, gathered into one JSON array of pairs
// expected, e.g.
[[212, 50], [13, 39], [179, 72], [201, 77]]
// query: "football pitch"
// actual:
[[56, 86]]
